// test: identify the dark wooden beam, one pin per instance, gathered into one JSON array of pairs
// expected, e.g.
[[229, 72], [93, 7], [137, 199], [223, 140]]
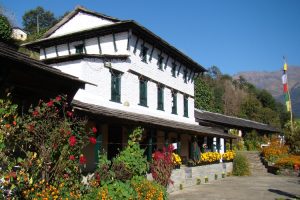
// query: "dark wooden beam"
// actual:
[[99, 45], [69, 48], [44, 51], [114, 40], [179, 69], [135, 45], [56, 51], [83, 41], [191, 72], [129, 39], [193, 76], [167, 60], [151, 54]]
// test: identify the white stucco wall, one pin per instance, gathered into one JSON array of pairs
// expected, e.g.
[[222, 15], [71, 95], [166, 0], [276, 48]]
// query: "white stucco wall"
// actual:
[[93, 70], [79, 22]]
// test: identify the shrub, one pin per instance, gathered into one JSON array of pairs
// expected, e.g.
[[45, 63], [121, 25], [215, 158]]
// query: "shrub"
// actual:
[[133, 156], [275, 150], [5, 29], [162, 166], [288, 161], [210, 157], [228, 155], [240, 166]]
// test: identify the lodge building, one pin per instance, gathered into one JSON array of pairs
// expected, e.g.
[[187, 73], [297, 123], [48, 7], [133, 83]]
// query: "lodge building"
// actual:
[[135, 78]]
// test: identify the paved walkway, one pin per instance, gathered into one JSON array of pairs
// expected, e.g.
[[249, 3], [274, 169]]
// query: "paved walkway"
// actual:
[[243, 188]]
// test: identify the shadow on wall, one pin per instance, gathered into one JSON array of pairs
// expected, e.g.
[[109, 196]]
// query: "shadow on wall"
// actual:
[[283, 193]]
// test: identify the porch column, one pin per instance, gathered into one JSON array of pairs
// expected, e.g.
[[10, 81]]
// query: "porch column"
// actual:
[[149, 144], [166, 139], [214, 146], [98, 147], [178, 144], [222, 145]]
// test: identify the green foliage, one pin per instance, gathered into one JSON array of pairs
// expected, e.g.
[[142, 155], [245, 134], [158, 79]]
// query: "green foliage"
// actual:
[[5, 29], [45, 19], [293, 137], [252, 141], [240, 166], [203, 95], [133, 156]]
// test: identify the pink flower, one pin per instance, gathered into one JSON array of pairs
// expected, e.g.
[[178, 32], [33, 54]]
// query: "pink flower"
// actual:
[[50, 103], [82, 159], [72, 140], [72, 157], [58, 98], [69, 113], [94, 129], [93, 140], [35, 113]]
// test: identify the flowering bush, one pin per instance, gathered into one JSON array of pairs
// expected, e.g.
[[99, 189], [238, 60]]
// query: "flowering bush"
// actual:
[[44, 144], [210, 157], [275, 150], [289, 161], [228, 155], [162, 166], [176, 159]]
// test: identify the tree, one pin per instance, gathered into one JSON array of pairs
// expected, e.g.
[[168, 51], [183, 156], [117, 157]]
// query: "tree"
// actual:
[[214, 72], [5, 29], [266, 99], [203, 94], [38, 20]]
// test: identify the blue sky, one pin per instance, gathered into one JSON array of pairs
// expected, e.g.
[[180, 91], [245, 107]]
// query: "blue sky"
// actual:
[[235, 35]]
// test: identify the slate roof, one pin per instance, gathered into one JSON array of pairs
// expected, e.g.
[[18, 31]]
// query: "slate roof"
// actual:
[[147, 119], [230, 121]]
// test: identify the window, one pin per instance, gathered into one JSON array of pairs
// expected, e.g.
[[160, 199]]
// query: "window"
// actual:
[[185, 72], [185, 106], [174, 103], [160, 62], [143, 92], [115, 86], [173, 70], [143, 54], [160, 98], [79, 48]]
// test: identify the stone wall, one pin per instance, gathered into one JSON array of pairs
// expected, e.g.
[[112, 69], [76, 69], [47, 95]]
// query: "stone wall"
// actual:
[[188, 176]]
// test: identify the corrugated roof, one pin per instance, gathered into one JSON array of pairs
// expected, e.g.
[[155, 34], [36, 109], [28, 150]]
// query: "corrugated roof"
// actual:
[[147, 119], [230, 121]]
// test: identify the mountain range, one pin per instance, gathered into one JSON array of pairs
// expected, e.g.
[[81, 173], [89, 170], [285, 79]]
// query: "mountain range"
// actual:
[[271, 81]]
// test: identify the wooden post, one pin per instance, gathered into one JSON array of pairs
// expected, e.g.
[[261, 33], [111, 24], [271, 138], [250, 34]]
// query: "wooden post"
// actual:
[[178, 144], [150, 143]]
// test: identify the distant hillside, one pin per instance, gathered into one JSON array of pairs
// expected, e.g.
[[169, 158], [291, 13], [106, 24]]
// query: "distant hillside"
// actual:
[[271, 81]]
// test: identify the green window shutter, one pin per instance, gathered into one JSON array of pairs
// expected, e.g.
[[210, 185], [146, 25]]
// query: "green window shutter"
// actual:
[[160, 98], [98, 147], [185, 106], [143, 92], [174, 103], [115, 87]]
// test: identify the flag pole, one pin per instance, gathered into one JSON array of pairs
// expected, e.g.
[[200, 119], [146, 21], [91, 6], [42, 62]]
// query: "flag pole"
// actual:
[[289, 95]]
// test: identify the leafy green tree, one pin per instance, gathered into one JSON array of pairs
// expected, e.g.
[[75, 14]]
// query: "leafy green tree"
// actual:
[[5, 29], [38, 17], [203, 95], [250, 108], [266, 99], [214, 72]]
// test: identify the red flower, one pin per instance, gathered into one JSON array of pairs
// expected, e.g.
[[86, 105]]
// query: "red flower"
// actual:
[[35, 113], [72, 140], [72, 157], [82, 159], [68, 132], [69, 113], [30, 127], [94, 129], [58, 98], [93, 140], [50, 103], [14, 123]]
